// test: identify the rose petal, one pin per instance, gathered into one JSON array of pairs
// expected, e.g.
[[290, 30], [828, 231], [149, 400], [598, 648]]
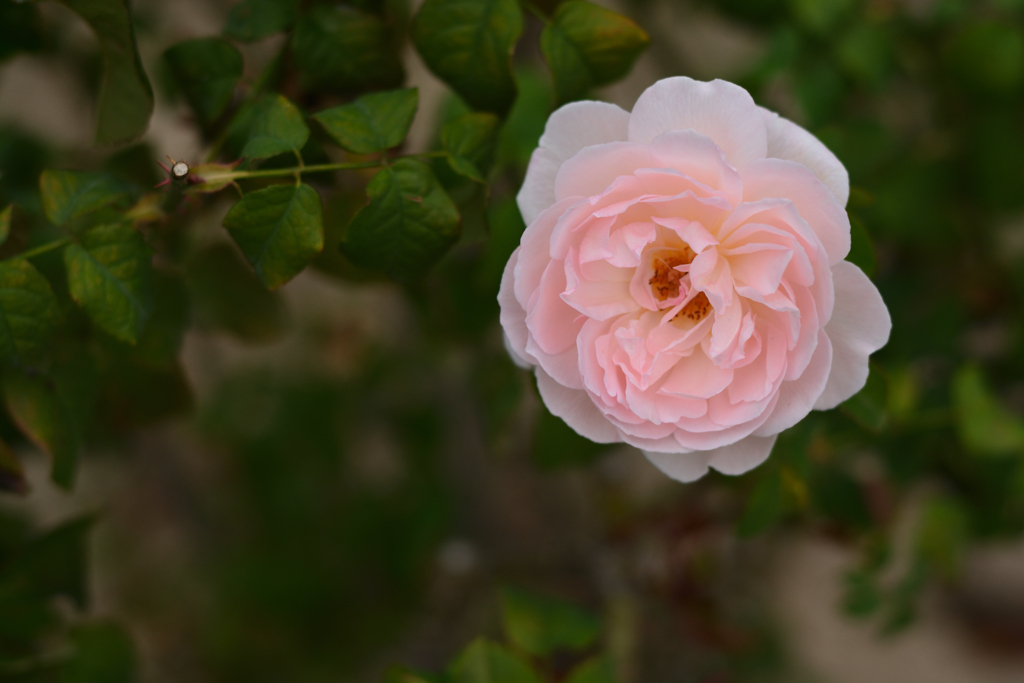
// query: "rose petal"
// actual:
[[720, 110], [742, 456], [568, 130], [684, 467], [577, 409], [786, 140], [859, 326], [513, 317], [797, 398], [768, 178], [594, 168]]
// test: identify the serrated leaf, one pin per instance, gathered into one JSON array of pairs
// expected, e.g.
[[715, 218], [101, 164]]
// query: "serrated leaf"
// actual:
[[408, 224], [469, 45], [487, 662], [252, 20], [109, 276], [5, 223], [277, 127], [540, 625], [279, 229], [12, 474], [126, 99], [206, 70], [470, 141], [66, 195], [985, 426], [373, 123], [42, 416], [342, 49], [29, 312], [586, 46], [594, 670]]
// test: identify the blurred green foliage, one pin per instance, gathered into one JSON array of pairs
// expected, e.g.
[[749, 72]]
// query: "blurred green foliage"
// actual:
[[334, 493]]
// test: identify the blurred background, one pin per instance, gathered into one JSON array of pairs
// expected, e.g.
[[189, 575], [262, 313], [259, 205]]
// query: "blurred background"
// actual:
[[341, 475]]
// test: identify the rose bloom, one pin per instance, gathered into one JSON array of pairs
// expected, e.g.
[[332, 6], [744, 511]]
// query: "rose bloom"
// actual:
[[681, 286]]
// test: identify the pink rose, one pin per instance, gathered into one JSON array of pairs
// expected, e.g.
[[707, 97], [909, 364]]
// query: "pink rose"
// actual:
[[681, 284]]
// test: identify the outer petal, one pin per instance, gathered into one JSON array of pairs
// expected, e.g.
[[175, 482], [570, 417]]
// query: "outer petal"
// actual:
[[569, 129], [797, 397], [859, 326], [771, 178], [684, 467], [720, 110], [786, 140], [577, 409], [513, 317], [742, 456]]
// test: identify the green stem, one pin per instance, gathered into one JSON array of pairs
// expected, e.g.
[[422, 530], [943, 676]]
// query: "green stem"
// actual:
[[314, 168], [41, 249]]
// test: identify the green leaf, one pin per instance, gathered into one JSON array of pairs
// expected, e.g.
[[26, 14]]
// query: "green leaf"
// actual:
[[227, 295], [109, 276], [587, 46], [540, 625], [252, 20], [985, 426], [43, 417], [594, 670], [373, 123], [12, 475], [277, 127], [66, 195], [206, 70], [409, 223], [469, 45], [279, 229], [103, 653], [126, 99], [487, 662], [342, 49], [29, 312], [764, 506], [470, 141], [5, 223]]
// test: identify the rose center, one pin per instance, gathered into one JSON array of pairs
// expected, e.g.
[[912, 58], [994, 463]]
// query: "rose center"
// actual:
[[665, 281], [697, 309]]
